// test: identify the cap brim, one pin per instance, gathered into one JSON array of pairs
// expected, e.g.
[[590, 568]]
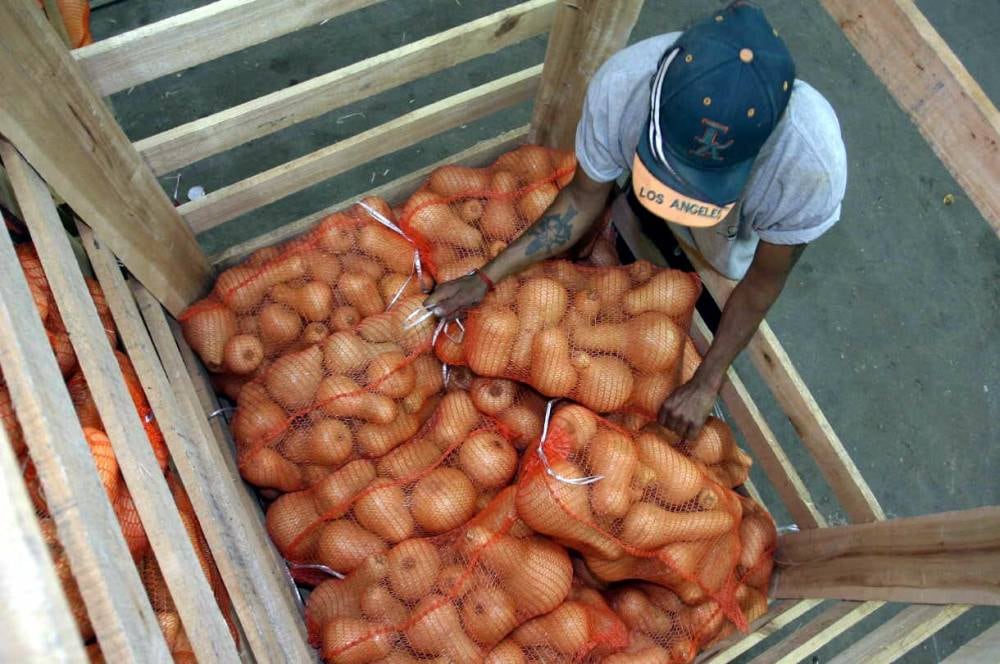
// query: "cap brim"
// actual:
[[713, 189], [666, 202]]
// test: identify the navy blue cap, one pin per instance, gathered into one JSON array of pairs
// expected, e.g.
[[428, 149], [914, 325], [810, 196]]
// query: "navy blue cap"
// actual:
[[719, 92]]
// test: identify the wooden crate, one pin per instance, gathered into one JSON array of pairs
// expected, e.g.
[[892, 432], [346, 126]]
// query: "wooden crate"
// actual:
[[58, 131]]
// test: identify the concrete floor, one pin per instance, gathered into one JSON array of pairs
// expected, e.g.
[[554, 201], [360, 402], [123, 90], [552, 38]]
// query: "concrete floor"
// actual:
[[892, 318]]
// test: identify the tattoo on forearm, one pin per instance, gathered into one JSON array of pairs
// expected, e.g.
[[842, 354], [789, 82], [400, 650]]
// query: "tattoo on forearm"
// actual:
[[551, 232]]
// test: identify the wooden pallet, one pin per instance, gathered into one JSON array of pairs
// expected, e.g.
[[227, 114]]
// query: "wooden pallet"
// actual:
[[57, 131]]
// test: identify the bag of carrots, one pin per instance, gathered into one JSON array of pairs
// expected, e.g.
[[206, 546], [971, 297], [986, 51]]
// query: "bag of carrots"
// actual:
[[455, 596], [610, 338], [635, 507], [159, 594], [431, 484], [462, 217]]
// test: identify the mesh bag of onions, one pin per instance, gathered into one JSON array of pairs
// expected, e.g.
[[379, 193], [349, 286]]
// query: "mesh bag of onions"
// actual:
[[433, 483], [462, 217], [464, 596], [317, 343], [635, 507], [610, 338]]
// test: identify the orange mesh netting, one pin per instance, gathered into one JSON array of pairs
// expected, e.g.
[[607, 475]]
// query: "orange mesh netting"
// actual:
[[318, 343], [76, 17], [611, 338], [582, 627], [454, 596], [462, 217], [429, 485], [635, 507]]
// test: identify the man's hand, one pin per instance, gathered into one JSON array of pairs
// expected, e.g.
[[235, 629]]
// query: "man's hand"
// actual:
[[452, 298], [685, 411]]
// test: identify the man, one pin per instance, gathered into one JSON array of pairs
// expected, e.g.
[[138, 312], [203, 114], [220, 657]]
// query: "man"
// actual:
[[744, 163]]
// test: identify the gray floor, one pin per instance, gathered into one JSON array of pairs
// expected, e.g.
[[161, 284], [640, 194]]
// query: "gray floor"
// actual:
[[892, 317]]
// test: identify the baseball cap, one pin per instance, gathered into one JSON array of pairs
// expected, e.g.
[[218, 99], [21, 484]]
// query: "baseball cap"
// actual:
[[717, 95]]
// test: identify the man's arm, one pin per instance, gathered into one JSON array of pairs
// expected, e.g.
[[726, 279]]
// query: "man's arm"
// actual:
[[686, 410], [568, 219]]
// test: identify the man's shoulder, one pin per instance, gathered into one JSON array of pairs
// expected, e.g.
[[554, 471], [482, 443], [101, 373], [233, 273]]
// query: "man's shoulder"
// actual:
[[636, 61], [812, 123]]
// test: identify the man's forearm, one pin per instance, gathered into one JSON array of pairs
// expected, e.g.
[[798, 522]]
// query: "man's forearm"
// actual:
[[745, 309], [562, 226]]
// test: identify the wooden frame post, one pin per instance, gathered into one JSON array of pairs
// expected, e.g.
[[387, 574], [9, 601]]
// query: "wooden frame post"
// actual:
[[39, 626], [585, 34], [53, 117], [951, 557]]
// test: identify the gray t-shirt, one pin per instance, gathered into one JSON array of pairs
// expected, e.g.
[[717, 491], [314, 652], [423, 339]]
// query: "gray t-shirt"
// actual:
[[795, 188]]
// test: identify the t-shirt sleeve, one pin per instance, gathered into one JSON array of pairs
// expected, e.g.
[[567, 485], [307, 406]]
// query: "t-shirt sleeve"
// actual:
[[597, 134], [807, 203]]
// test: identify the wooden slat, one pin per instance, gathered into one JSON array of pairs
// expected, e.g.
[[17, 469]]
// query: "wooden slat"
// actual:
[[778, 616], [230, 202], [272, 624], [815, 634], [88, 530], [585, 34], [900, 634], [933, 87], [64, 130], [240, 124], [983, 648], [55, 18], [797, 402], [394, 192], [767, 451], [168, 538], [35, 621], [951, 557], [265, 567], [198, 36]]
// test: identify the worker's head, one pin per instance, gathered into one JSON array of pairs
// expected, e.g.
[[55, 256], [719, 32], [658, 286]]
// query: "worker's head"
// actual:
[[717, 95]]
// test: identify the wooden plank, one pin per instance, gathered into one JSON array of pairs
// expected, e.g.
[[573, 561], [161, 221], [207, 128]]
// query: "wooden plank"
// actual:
[[197, 36], [61, 126], [767, 451], [35, 620], [264, 567], [272, 624], [815, 634], [797, 402], [933, 87], [88, 530], [55, 18], [246, 195], [900, 634], [947, 558], [168, 538], [240, 124], [395, 192], [778, 616], [979, 650], [585, 34]]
